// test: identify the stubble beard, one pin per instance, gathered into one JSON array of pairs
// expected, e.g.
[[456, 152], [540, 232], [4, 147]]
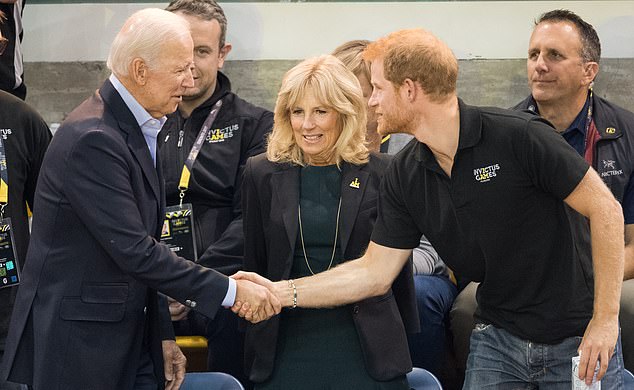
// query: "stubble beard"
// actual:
[[396, 122]]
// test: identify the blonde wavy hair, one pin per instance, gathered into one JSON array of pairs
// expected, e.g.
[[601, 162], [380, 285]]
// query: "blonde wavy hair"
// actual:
[[351, 54], [335, 87]]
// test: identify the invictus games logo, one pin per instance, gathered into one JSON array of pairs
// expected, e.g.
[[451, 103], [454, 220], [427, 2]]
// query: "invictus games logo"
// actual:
[[5, 133], [220, 135], [485, 174], [610, 169], [178, 213]]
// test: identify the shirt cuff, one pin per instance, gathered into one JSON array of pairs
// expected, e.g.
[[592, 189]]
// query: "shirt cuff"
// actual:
[[230, 298]]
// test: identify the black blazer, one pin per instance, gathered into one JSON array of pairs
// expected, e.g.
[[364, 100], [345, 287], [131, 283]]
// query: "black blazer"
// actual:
[[88, 293], [270, 195]]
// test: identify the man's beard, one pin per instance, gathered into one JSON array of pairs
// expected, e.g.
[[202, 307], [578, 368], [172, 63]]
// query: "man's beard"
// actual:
[[396, 122]]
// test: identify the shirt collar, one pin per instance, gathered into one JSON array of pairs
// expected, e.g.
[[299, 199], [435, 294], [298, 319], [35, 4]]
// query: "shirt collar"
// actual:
[[470, 132], [143, 118], [578, 124]]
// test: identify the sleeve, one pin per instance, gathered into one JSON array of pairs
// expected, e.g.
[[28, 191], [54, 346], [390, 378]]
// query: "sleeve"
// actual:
[[395, 227], [255, 259], [225, 255], [552, 164], [40, 138], [100, 190], [167, 329]]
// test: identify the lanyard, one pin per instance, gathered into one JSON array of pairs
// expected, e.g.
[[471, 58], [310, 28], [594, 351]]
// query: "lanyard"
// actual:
[[183, 184], [4, 180], [588, 122]]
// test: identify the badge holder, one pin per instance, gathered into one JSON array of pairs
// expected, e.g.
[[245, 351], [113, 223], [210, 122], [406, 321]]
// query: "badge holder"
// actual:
[[178, 230], [178, 227], [9, 268]]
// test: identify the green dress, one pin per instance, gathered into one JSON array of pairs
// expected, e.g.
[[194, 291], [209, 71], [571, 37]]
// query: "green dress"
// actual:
[[319, 348]]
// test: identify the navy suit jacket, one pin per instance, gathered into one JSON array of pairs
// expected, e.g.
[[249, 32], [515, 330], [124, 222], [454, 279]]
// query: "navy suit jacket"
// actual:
[[88, 298], [269, 203]]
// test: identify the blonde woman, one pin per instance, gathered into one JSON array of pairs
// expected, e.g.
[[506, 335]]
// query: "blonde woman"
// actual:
[[310, 204]]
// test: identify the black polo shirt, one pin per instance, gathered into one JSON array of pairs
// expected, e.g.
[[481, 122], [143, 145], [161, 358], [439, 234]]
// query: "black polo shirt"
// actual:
[[500, 219]]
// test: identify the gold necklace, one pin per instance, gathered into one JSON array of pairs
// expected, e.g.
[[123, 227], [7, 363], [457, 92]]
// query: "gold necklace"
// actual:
[[301, 236]]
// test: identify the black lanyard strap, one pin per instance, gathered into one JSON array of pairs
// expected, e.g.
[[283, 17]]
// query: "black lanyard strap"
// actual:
[[183, 184]]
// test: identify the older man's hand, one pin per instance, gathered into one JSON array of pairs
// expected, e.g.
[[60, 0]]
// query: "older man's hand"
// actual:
[[255, 302], [174, 364], [178, 311]]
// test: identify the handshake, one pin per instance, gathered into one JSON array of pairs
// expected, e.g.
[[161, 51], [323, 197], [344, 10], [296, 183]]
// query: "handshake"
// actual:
[[257, 298]]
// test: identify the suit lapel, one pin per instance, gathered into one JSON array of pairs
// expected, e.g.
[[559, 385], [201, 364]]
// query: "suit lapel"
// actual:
[[285, 185], [134, 137], [161, 180], [353, 183]]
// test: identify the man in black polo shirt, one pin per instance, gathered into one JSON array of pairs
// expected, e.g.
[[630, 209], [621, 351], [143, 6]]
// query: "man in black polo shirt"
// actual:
[[490, 189]]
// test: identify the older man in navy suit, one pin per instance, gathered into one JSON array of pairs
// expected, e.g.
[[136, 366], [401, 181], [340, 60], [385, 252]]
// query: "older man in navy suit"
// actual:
[[87, 315]]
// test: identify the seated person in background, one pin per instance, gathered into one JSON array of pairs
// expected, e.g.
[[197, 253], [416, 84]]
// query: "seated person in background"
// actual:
[[563, 60], [435, 292], [310, 204]]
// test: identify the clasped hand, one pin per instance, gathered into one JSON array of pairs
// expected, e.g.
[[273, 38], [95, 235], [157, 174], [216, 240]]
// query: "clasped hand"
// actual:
[[255, 300]]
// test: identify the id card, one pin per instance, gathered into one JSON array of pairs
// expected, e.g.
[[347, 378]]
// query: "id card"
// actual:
[[178, 231], [9, 269]]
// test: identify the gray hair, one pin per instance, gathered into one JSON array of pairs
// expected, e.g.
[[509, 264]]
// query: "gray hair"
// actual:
[[143, 36]]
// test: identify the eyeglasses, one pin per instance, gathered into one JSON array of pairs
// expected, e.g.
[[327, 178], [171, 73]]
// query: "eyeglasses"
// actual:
[[4, 42]]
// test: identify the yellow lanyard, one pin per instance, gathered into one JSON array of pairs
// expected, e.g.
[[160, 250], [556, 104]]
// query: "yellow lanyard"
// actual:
[[4, 176]]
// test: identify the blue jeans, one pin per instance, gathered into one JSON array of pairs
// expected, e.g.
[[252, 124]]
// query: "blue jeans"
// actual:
[[499, 360], [434, 296]]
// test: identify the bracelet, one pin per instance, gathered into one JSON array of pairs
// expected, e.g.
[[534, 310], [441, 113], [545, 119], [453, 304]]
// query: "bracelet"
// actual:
[[291, 284]]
